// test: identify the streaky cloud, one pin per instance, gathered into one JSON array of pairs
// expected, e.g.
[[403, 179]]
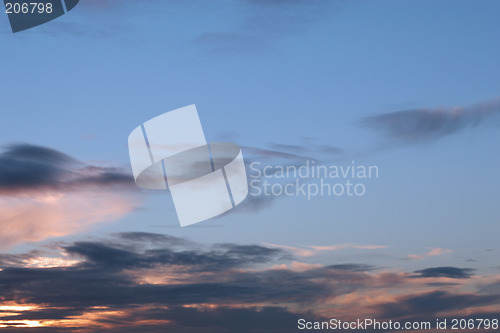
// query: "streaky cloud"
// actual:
[[448, 272], [417, 125]]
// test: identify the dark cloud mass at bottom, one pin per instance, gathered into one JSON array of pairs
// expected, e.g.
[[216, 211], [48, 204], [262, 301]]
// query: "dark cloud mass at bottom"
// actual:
[[141, 282]]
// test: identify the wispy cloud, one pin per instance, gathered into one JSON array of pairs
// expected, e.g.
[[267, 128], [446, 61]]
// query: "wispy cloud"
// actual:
[[284, 155], [306, 149], [260, 22], [431, 253], [309, 251], [417, 125], [301, 252], [347, 246]]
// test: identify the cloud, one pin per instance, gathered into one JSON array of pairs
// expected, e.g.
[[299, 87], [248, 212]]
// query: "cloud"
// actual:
[[268, 154], [448, 272], [138, 237], [419, 125], [347, 246], [56, 214], [313, 250], [141, 282], [307, 149], [432, 303], [104, 276], [491, 287], [45, 193], [30, 167], [25, 168], [432, 253], [294, 250], [278, 154], [260, 23], [352, 267], [220, 257]]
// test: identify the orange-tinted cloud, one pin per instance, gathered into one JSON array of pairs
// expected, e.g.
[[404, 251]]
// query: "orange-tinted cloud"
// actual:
[[431, 253], [312, 250], [152, 282], [55, 214]]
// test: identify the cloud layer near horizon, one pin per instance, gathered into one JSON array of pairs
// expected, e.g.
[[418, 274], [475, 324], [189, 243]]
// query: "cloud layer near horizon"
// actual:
[[142, 282]]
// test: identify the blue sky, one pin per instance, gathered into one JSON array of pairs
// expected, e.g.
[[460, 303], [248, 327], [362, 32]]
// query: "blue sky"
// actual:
[[353, 75], [257, 79]]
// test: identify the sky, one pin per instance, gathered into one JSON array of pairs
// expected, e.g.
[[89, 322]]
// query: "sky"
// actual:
[[409, 87]]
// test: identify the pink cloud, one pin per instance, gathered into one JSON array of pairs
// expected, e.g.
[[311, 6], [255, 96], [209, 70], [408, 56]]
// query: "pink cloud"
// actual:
[[432, 253], [49, 214], [294, 250], [347, 246], [310, 251]]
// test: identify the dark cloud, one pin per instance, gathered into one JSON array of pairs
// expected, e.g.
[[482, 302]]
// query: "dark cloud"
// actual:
[[352, 267], [188, 319], [430, 124], [491, 288], [449, 272], [115, 257], [103, 277], [267, 319], [432, 303], [442, 284], [44, 192], [133, 237], [241, 284], [26, 167]]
